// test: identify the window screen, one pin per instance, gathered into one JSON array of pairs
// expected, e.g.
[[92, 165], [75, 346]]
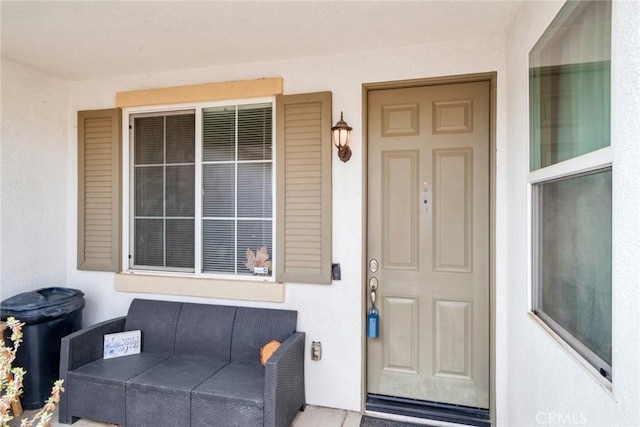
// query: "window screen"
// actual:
[[164, 166]]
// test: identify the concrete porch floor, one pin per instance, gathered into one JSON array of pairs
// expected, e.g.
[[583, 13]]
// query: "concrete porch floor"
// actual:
[[313, 416]]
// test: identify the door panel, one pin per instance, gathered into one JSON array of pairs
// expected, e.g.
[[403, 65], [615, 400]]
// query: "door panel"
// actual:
[[401, 355], [453, 209], [428, 228], [399, 209], [452, 339]]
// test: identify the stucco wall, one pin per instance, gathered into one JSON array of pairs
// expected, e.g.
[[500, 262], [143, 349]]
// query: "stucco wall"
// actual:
[[545, 385], [330, 314], [34, 185]]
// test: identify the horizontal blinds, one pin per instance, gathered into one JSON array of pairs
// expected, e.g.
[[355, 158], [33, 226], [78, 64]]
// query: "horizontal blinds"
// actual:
[[254, 132], [237, 203]]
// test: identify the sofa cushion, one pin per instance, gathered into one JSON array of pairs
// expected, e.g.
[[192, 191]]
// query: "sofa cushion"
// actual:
[[97, 389], [161, 396], [205, 331], [254, 327], [98, 402], [118, 370], [157, 320], [234, 396]]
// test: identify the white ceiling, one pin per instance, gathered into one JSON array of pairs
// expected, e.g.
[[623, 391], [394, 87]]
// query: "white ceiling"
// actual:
[[82, 40]]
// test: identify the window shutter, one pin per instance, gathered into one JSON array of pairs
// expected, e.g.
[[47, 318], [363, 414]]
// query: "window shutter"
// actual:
[[99, 199], [303, 180]]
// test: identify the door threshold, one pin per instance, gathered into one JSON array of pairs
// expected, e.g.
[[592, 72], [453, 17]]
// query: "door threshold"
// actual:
[[439, 414], [410, 420]]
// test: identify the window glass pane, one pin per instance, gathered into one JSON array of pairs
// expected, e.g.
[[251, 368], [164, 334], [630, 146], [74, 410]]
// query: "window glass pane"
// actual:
[[254, 190], [180, 190], [149, 184], [574, 251], [219, 134], [237, 148], [254, 132], [218, 185], [164, 185], [218, 246], [149, 140], [570, 73], [149, 242], [254, 246], [180, 241], [181, 134]]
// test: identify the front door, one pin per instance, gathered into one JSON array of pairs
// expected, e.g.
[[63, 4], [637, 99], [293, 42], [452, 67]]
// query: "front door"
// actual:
[[428, 232]]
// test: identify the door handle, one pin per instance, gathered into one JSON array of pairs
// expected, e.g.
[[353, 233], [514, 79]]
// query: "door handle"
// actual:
[[373, 287], [372, 314], [373, 284]]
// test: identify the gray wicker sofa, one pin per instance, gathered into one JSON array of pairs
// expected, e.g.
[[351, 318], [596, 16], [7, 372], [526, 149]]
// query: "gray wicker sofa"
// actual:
[[199, 366]]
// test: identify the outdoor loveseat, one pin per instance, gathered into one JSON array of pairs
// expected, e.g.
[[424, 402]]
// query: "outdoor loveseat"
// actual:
[[199, 366]]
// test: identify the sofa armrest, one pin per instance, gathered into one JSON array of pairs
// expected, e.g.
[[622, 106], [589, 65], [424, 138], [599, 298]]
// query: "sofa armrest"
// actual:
[[82, 347], [86, 345], [284, 393]]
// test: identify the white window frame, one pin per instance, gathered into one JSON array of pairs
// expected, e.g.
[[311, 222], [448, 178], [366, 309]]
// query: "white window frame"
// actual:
[[599, 160], [128, 191], [131, 199]]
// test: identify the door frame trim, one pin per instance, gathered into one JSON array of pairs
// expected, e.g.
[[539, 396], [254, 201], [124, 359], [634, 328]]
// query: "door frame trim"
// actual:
[[492, 78]]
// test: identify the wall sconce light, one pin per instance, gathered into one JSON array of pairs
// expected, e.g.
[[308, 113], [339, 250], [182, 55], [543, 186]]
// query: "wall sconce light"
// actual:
[[341, 133]]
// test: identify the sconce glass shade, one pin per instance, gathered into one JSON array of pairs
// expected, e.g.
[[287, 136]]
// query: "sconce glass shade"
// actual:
[[341, 133]]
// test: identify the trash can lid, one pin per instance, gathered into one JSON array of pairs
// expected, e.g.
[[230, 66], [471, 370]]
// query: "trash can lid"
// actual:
[[42, 304]]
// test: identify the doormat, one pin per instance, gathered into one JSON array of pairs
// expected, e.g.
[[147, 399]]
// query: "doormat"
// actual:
[[368, 421]]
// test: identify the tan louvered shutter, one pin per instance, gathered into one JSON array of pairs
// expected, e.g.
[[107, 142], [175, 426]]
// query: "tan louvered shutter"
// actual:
[[99, 160], [303, 244]]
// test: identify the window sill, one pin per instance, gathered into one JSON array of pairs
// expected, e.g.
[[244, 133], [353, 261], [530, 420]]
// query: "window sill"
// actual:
[[603, 382], [199, 287]]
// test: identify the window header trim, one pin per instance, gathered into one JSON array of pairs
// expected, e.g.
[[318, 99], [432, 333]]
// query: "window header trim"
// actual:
[[201, 92]]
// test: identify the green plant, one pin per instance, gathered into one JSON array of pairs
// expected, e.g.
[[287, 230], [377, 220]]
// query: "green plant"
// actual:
[[11, 382]]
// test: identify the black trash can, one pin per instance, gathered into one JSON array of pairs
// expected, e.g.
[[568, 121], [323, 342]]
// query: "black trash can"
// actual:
[[49, 314]]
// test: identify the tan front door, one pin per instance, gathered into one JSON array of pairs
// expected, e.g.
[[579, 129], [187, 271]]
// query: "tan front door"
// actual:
[[428, 230]]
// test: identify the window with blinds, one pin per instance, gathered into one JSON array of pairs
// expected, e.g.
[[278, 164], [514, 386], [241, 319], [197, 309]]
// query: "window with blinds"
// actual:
[[237, 214], [203, 201]]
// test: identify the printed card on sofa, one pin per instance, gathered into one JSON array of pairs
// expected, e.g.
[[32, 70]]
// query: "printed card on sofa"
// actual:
[[121, 344]]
